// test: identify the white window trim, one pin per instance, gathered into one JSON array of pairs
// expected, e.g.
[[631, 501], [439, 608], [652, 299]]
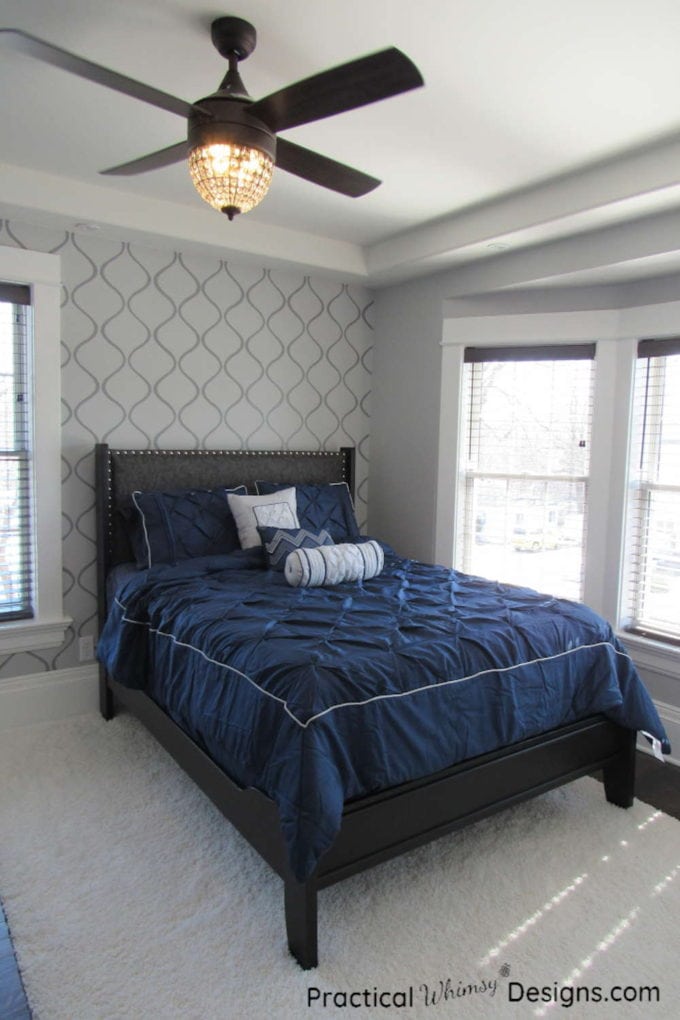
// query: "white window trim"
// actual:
[[616, 333], [42, 273]]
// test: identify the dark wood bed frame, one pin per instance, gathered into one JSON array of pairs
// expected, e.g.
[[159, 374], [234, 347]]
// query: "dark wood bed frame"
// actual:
[[377, 827]]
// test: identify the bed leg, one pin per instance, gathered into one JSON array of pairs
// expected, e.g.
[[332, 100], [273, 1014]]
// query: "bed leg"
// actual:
[[619, 777], [106, 704], [301, 921]]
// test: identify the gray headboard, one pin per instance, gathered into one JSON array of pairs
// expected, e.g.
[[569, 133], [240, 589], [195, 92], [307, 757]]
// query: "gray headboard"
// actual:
[[120, 472]]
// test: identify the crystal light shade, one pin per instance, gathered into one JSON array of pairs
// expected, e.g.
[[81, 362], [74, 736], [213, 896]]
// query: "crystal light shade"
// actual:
[[231, 178]]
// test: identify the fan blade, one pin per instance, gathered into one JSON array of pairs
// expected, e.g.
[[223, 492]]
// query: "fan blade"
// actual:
[[49, 54], [318, 169], [357, 83], [154, 161]]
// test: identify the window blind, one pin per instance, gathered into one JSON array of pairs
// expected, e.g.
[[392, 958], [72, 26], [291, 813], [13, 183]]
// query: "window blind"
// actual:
[[16, 531], [653, 536], [525, 460]]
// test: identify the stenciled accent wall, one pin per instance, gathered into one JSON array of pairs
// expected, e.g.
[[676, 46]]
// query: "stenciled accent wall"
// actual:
[[181, 350]]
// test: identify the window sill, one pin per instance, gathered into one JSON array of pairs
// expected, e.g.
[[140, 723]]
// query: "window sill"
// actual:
[[25, 635], [655, 655]]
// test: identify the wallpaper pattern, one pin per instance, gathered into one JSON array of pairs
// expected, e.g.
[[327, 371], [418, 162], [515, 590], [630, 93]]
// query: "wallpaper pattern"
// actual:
[[168, 349]]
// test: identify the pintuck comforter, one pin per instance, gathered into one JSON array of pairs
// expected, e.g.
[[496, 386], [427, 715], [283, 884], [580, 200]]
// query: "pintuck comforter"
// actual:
[[318, 695]]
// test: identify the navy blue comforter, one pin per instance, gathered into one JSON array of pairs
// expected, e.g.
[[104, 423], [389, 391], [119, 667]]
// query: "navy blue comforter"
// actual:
[[318, 695]]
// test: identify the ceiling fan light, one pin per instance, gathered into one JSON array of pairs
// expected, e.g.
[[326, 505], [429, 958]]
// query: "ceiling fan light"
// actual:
[[231, 178]]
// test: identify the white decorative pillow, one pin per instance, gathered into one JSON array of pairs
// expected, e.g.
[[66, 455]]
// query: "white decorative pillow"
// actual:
[[334, 564], [276, 510]]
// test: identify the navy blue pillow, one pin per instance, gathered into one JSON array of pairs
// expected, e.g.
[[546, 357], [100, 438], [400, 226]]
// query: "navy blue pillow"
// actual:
[[321, 508], [278, 542], [172, 526]]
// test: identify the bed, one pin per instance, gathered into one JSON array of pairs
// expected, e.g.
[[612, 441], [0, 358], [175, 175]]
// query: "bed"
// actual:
[[339, 726]]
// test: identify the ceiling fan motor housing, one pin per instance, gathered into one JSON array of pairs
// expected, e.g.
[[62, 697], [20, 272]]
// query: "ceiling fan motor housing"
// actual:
[[223, 120]]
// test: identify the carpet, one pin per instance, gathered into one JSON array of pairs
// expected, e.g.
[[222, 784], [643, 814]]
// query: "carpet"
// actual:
[[129, 896]]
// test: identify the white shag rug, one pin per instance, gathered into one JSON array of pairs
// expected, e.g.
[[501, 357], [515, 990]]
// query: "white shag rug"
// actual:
[[129, 896]]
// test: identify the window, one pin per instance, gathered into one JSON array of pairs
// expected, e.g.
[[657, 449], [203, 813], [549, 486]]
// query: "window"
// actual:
[[31, 614], [16, 470], [653, 537], [524, 463]]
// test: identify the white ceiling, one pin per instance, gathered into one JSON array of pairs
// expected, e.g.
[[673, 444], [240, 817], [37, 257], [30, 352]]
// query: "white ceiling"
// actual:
[[542, 126]]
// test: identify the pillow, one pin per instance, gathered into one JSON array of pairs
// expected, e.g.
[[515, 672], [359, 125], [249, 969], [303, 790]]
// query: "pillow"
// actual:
[[277, 510], [278, 542], [323, 507], [333, 564], [171, 526]]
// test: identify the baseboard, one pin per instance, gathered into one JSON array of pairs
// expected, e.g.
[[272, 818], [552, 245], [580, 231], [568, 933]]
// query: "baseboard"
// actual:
[[46, 697], [670, 717]]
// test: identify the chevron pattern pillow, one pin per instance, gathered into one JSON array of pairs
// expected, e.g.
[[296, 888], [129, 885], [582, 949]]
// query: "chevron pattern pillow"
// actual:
[[279, 542]]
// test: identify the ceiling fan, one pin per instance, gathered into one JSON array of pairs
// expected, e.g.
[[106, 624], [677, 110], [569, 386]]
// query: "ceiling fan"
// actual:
[[233, 141]]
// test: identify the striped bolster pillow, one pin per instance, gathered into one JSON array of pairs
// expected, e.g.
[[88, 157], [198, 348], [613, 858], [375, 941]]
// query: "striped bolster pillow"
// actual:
[[333, 564]]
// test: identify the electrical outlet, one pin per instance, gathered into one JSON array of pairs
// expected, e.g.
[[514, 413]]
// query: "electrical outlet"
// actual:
[[86, 648]]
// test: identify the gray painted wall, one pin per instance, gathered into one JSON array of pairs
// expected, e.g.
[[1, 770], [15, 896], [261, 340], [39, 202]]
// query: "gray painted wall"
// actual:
[[161, 348], [405, 418]]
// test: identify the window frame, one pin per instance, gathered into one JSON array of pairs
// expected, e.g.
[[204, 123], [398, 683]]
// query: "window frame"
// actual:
[[16, 457], [616, 350], [640, 489], [47, 628], [474, 355]]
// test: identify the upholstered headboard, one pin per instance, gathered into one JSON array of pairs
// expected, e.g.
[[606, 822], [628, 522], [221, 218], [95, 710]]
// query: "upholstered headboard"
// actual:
[[120, 472]]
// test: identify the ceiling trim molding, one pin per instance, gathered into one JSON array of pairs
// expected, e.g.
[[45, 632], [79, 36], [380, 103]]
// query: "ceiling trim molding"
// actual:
[[611, 185], [610, 246], [70, 201]]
